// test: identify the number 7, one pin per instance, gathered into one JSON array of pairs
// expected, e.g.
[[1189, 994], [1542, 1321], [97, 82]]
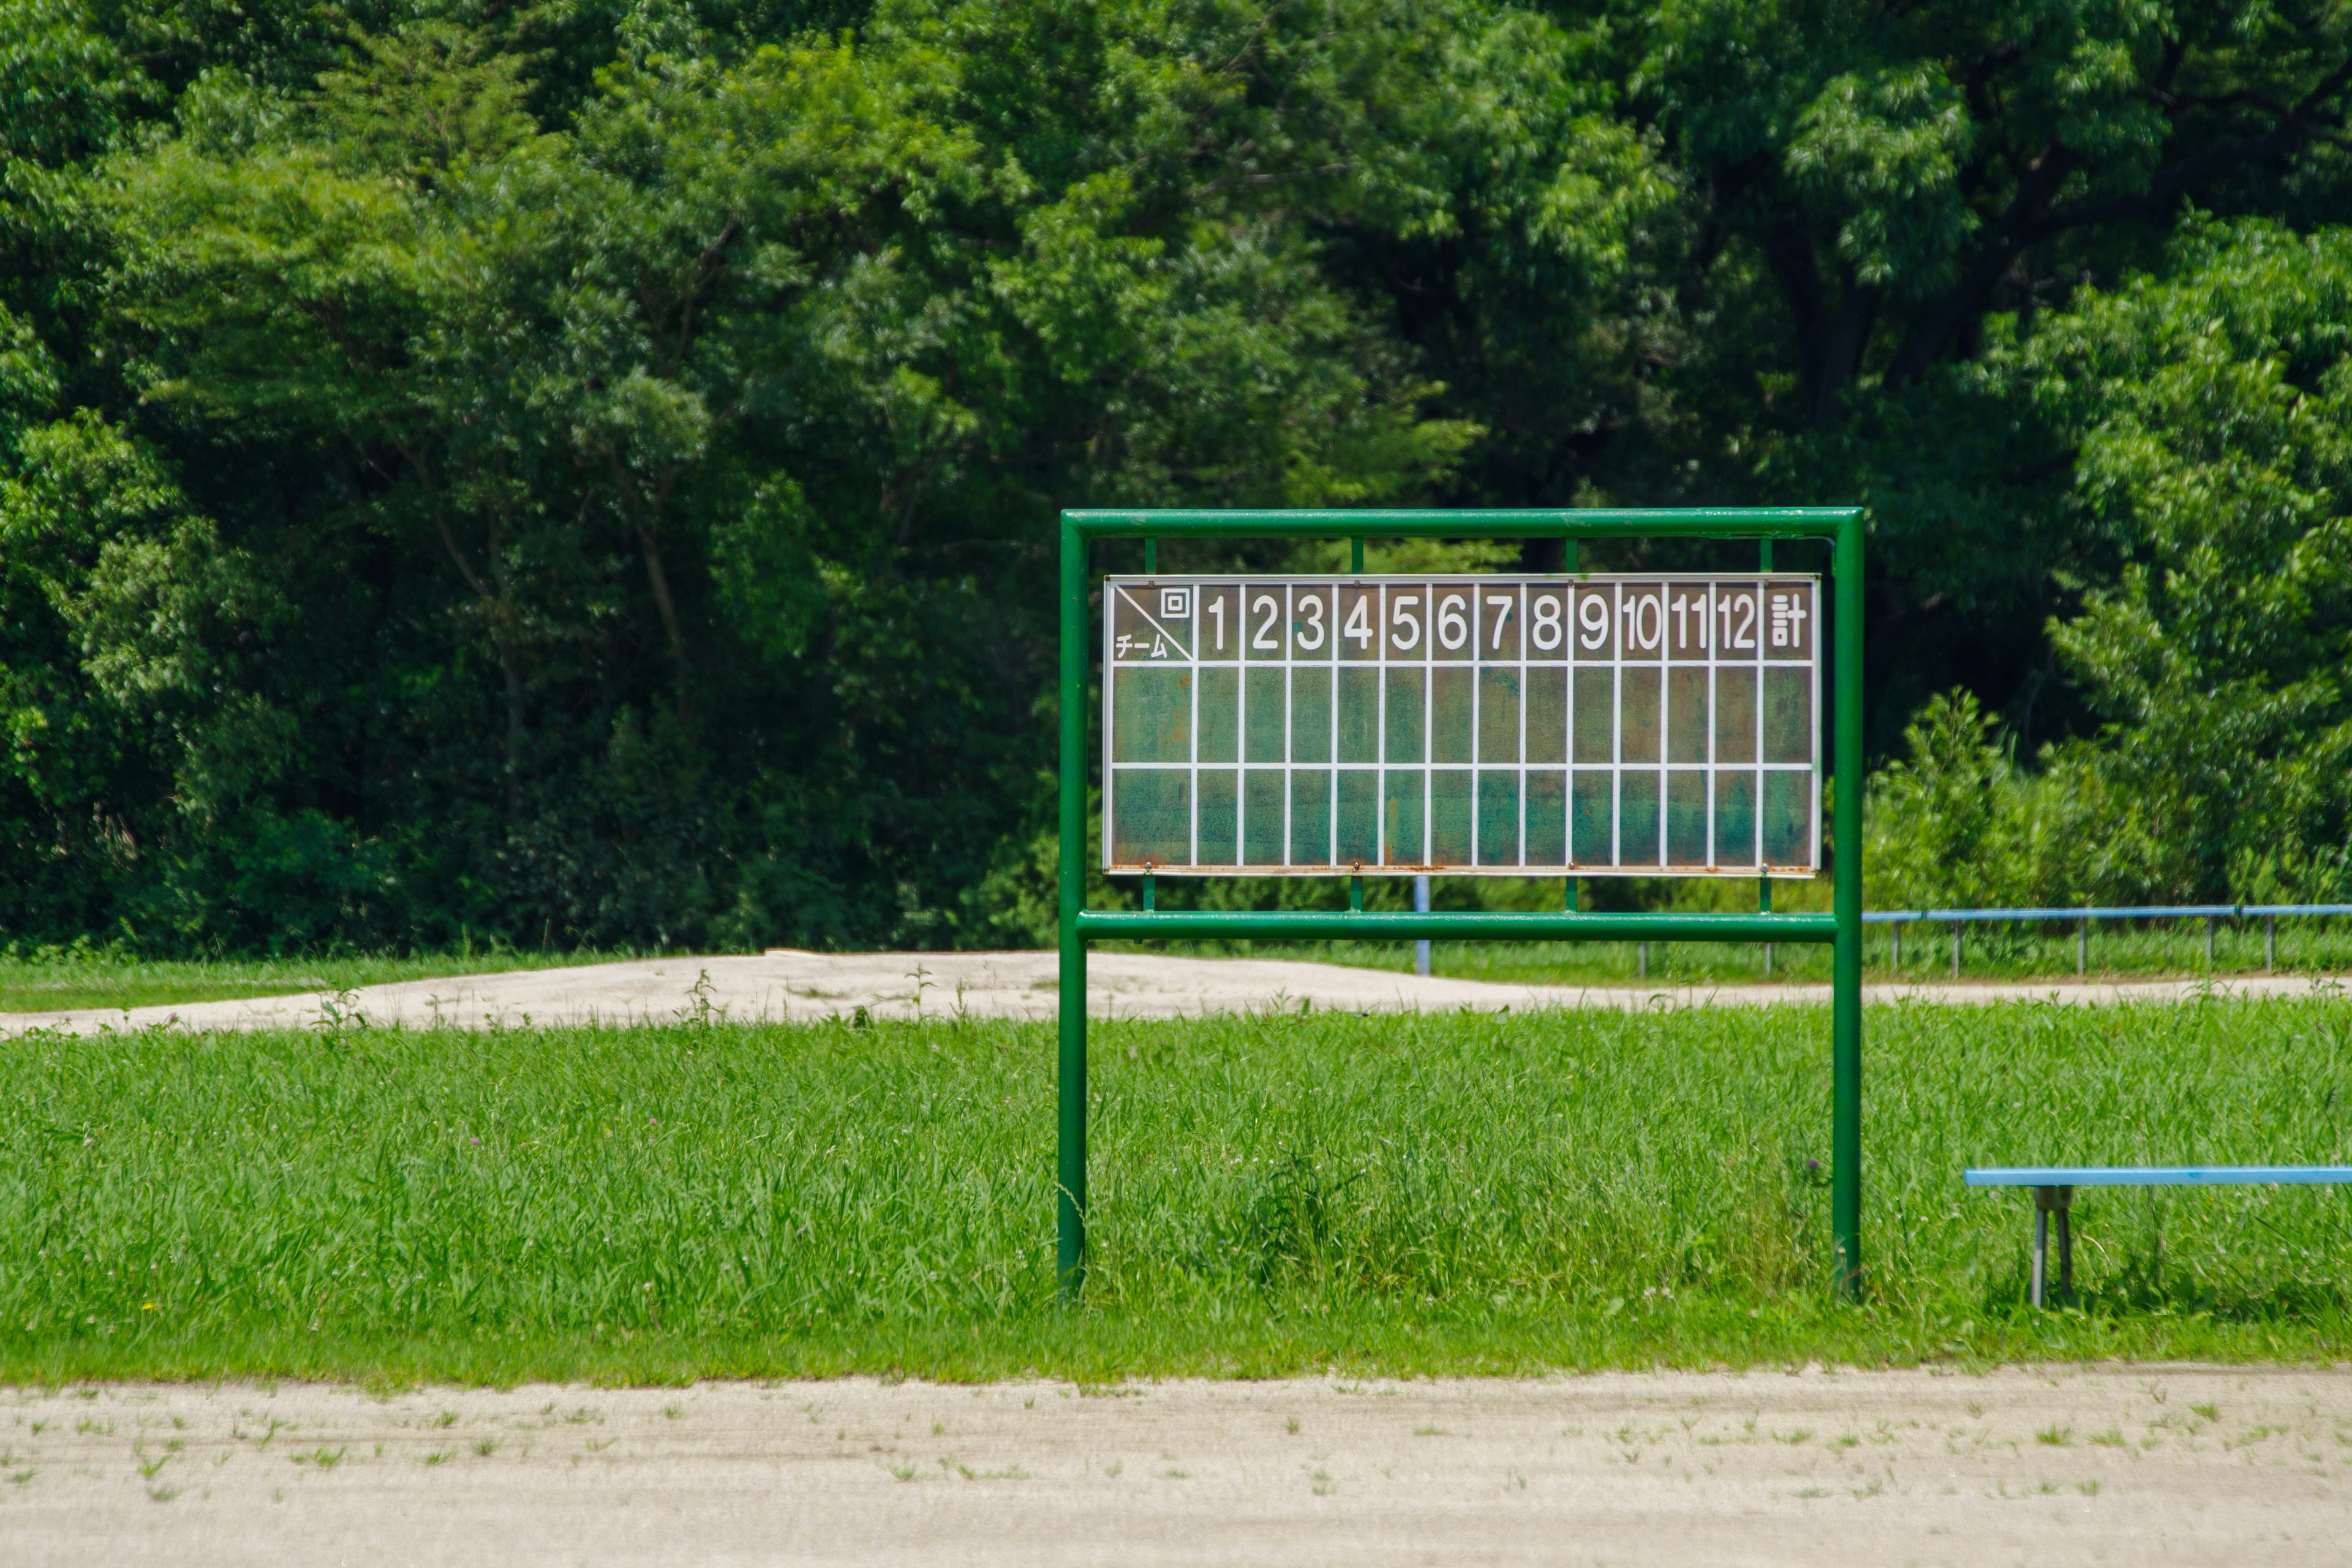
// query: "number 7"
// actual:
[[1507, 602]]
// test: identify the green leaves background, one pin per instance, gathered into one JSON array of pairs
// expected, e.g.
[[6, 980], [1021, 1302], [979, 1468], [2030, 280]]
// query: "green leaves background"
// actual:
[[577, 473]]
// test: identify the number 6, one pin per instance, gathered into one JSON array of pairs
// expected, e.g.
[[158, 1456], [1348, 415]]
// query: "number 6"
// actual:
[[1453, 631]]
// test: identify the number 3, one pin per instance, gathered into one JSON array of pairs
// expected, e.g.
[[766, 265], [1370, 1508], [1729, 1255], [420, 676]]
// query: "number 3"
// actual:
[[1311, 637]]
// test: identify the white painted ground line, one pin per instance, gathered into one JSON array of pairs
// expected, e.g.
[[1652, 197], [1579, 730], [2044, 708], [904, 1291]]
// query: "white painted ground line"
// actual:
[[787, 985]]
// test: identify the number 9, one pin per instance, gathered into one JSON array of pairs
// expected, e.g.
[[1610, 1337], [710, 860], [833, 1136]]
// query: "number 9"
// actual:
[[1592, 615]]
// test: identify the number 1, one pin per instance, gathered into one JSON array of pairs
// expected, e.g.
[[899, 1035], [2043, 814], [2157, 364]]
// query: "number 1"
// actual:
[[1217, 608]]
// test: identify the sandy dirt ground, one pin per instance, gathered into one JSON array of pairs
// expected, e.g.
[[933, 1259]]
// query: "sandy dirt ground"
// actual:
[[784, 985], [2172, 1465]]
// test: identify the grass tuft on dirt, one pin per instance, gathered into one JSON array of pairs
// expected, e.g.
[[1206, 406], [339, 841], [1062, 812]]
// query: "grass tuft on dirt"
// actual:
[[1400, 1194]]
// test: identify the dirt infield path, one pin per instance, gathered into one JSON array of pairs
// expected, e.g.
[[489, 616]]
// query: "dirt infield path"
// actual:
[[785, 984], [2168, 1465]]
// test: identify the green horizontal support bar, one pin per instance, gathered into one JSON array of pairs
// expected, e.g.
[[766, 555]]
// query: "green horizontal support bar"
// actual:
[[1346, 925], [1576, 522]]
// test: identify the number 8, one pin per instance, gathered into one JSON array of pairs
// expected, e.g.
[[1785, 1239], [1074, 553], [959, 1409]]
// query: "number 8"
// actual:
[[1547, 628]]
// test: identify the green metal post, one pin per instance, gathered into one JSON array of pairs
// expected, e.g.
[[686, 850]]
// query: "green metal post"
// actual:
[[1070, 1206], [1764, 879], [1845, 1026]]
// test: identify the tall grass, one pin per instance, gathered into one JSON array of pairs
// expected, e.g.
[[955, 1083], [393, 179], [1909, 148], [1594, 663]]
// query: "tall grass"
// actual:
[[1413, 1193]]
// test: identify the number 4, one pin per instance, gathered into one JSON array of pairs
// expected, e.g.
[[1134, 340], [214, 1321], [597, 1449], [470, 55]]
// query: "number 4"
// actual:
[[1359, 622]]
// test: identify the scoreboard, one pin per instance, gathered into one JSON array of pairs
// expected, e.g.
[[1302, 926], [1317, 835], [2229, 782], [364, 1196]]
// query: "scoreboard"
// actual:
[[1598, 725]]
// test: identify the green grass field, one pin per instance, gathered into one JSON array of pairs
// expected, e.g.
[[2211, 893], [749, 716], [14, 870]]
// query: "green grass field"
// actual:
[[1402, 1195]]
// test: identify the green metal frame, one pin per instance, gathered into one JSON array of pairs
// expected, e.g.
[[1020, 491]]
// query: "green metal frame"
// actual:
[[1842, 526]]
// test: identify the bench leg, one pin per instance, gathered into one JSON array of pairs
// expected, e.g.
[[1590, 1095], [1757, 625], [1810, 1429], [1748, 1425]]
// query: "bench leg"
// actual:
[[2046, 1202], [2040, 1242]]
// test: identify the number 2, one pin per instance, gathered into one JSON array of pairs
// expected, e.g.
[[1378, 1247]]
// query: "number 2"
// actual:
[[1264, 637]]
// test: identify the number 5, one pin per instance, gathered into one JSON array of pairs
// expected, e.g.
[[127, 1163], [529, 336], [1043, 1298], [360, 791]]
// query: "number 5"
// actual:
[[1400, 615]]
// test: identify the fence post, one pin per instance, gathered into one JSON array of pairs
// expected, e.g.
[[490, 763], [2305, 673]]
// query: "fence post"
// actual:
[[1421, 907], [2209, 941], [1640, 961], [1070, 1068], [1956, 950], [2270, 944], [1898, 963], [2082, 948]]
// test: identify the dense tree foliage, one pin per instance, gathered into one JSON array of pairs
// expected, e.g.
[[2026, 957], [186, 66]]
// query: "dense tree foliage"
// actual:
[[584, 473]]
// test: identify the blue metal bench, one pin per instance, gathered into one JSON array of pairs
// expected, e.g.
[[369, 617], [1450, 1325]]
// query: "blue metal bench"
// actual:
[[2053, 1190]]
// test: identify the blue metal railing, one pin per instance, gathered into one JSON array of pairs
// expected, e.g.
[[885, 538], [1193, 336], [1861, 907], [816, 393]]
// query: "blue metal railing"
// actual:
[[2147, 911], [2212, 914]]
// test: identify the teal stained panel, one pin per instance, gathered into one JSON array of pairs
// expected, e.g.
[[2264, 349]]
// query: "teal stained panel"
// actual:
[[1637, 810], [1360, 715], [1735, 715], [1220, 715], [1498, 818], [1735, 817], [1787, 716], [1547, 715], [1404, 703], [1449, 713], [1596, 716], [1311, 715], [1686, 714], [1261, 802], [1263, 718], [1593, 817], [1310, 817], [1498, 715], [1789, 818], [1151, 816], [1685, 818], [1220, 816], [1151, 716], [1546, 817], [1400, 816], [1357, 829], [1450, 816]]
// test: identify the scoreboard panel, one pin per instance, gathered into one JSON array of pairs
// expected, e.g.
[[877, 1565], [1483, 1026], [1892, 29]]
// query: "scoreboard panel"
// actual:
[[1595, 725]]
